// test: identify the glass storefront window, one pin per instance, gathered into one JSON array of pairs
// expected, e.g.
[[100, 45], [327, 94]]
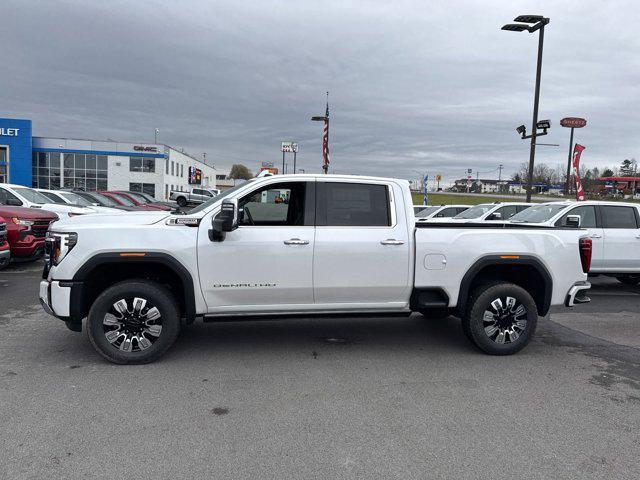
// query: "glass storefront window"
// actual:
[[78, 170]]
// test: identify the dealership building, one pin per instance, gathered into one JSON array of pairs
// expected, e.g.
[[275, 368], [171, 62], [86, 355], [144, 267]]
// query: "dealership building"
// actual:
[[44, 162]]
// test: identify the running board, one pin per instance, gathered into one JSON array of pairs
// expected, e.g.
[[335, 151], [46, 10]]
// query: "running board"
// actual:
[[241, 317]]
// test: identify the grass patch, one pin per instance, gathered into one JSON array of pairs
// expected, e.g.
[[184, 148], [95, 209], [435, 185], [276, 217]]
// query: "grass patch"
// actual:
[[446, 199]]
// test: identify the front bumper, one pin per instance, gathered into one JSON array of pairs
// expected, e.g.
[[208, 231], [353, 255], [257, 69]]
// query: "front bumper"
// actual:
[[55, 298], [574, 295]]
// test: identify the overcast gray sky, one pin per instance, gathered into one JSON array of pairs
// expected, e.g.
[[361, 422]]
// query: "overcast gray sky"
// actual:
[[415, 85]]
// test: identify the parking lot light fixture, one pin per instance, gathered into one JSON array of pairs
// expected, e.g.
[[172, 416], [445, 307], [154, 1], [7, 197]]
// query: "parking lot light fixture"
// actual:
[[532, 23]]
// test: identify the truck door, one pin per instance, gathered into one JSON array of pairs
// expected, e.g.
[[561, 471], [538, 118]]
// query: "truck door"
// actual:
[[589, 221], [265, 264], [361, 257], [621, 238]]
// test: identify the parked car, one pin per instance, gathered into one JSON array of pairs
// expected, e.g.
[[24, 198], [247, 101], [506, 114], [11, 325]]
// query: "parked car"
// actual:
[[483, 212], [62, 197], [125, 201], [20, 196], [5, 252], [441, 211], [151, 199], [614, 228], [103, 200], [340, 244], [26, 230], [139, 200], [195, 197]]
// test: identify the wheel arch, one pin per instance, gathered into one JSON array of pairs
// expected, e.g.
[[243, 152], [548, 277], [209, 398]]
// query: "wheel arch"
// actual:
[[524, 270], [105, 269]]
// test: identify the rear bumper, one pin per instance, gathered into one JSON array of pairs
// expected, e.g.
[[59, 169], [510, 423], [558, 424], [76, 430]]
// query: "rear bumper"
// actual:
[[574, 294]]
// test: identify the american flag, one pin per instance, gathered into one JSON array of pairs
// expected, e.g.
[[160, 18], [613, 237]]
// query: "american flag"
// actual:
[[325, 141]]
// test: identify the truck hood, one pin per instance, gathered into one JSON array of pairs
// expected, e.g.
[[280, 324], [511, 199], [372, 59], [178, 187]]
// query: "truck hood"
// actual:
[[110, 221]]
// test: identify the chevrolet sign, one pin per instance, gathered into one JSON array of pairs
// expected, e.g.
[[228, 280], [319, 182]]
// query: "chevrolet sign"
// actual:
[[9, 132]]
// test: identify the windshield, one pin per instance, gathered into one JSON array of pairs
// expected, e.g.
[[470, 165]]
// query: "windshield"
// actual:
[[538, 213], [52, 196], [426, 212], [138, 197], [32, 195], [123, 200], [101, 199], [213, 200], [475, 212], [146, 196], [76, 199]]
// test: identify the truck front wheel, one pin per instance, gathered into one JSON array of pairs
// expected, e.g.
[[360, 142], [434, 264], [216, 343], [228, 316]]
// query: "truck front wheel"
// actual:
[[182, 202], [500, 319], [132, 322]]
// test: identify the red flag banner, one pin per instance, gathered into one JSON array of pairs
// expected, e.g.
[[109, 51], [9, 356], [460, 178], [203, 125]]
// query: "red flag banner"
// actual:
[[577, 151]]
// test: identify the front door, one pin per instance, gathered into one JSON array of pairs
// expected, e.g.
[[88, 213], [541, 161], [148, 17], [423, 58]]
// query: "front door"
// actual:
[[266, 263], [361, 255], [589, 221]]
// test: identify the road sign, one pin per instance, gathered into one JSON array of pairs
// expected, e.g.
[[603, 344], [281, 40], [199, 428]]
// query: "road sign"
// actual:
[[267, 164], [573, 122], [287, 147], [438, 178]]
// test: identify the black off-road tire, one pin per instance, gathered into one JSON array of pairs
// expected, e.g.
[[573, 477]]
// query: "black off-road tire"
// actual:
[[156, 295], [480, 301], [181, 201]]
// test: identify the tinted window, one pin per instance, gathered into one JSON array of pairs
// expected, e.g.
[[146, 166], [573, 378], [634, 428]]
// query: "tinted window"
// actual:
[[447, 212], [274, 205], [505, 212], [53, 197], [5, 195], [618, 217], [353, 204], [475, 212], [587, 217]]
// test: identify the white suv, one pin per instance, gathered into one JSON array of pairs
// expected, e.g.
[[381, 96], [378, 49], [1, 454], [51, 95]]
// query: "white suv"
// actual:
[[21, 196], [614, 228], [486, 212]]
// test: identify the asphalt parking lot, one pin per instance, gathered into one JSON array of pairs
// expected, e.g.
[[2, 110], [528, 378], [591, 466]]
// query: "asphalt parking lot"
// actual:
[[323, 398]]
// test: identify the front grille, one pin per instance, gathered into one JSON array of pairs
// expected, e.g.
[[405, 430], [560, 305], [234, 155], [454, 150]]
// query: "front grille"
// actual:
[[39, 233], [41, 223], [39, 228]]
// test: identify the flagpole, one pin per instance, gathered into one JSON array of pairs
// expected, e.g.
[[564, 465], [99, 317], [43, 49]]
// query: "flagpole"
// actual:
[[325, 137]]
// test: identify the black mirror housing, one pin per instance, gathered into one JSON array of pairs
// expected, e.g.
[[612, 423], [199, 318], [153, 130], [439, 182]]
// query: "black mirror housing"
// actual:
[[225, 221]]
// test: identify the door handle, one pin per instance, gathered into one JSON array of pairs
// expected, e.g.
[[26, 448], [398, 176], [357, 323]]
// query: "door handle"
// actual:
[[595, 235], [296, 241], [391, 241]]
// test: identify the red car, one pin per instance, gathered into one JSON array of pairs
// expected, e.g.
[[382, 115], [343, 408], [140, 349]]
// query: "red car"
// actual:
[[121, 199], [26, 230], [139, 200], [5, 253]]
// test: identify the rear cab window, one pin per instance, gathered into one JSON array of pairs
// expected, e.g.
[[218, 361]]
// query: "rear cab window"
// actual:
[[618, 217], [346, 204]]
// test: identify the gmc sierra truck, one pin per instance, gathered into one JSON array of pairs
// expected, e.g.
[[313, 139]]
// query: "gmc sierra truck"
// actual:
[[303, 245], [195, 197]]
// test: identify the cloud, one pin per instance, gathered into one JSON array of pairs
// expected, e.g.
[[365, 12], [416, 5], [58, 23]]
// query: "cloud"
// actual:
[[415, 85]]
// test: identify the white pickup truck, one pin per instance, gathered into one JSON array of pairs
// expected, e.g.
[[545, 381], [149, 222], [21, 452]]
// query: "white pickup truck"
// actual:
[[195, 197], [614, 228], [303, 245]]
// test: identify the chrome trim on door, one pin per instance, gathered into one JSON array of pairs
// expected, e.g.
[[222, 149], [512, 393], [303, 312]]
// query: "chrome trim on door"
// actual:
[[296, 241]]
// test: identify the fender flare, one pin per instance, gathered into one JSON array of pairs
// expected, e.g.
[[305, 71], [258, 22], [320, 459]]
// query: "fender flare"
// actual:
[[149, 257], [527, 260]]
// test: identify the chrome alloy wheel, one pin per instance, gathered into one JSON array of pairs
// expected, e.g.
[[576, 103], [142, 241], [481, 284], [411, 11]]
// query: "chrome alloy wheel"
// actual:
[[504, 320], [132, 325]]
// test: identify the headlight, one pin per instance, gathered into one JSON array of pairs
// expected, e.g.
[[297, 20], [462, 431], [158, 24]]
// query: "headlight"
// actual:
[[22, 222], [58, 246]]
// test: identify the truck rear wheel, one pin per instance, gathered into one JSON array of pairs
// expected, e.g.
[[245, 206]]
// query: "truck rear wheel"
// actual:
[[500, 319], [133, 322], [182, 202]]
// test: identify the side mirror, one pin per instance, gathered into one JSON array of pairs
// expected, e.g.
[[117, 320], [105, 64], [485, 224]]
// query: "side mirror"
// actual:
[[14, 202], [225, 221], [573, 221]]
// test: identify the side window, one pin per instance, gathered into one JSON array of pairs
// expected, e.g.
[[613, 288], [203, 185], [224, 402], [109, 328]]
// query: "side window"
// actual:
[[353, 204], [618, 217], [461, 209], [520, 208], [505, 213], [447, 212], [197, 191], [587, 217], [5, 195], [279, 204]]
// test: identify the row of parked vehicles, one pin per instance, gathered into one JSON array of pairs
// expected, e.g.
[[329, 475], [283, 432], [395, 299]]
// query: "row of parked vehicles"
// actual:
[[613, 227], [26, 214]]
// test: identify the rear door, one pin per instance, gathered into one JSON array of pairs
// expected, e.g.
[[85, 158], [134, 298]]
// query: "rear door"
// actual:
[[621, 238], [589, 220], [361, 257]]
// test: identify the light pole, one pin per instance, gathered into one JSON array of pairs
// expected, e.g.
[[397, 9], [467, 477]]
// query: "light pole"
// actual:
[[155, 135], [532, 23]]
